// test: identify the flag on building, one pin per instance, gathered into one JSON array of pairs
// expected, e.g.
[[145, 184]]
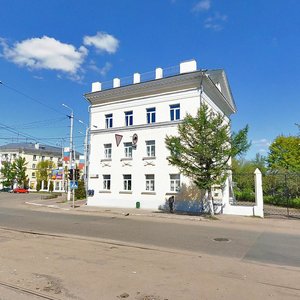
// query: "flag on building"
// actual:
[[81, 162], [66, 154]]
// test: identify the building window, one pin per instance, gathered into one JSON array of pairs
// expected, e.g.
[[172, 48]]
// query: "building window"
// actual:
[[150, 183], [109, 121], [33, 166], [107, 151], [150, 148], [106, 182], [151, 115], [34, 157], [33, 174], [51, 158], [128, 149], [127, 182], [175, 112], [43, 158], [128, 118], [174, 182]]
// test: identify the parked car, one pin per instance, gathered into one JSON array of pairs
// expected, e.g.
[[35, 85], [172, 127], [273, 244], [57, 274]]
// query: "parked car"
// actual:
[[6, 189], [20, 190]]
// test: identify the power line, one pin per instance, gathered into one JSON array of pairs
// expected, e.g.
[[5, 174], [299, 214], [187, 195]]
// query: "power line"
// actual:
[[33, 99]]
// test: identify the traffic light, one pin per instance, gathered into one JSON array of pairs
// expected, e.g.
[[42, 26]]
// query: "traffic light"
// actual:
[[70, 174], [77, 174]]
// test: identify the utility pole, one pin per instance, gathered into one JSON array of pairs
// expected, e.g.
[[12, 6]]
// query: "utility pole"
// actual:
[[71, 117], [85, 158]]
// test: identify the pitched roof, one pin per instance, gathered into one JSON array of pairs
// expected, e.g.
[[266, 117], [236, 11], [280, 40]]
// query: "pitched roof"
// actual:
[[32, 148]]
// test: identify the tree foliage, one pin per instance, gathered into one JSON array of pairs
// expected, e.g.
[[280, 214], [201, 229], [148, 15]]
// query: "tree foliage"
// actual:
[[284, 154], [8, 173], [203, 147], [20, 171], [44, 170], [80, 193]]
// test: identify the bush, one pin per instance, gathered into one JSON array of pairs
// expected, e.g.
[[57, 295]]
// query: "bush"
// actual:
[[245, 195], [80, 192], [282, 201]]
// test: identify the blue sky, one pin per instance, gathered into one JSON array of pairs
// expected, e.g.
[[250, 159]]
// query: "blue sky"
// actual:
[[51, 52]]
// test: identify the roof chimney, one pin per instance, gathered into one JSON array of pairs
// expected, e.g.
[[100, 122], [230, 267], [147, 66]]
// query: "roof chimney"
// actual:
[[188, 66], [96, 86]]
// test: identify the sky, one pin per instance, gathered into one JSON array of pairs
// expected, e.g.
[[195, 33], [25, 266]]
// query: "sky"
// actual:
[[52, 50]]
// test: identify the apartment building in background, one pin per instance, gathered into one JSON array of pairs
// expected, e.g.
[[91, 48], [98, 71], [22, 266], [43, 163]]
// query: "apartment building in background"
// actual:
[[35, 153]]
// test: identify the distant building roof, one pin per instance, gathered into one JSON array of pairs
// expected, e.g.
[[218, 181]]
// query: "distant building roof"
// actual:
[[33, 148]]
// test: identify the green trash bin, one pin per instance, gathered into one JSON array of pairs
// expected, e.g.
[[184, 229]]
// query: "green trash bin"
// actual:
[[137, 205]]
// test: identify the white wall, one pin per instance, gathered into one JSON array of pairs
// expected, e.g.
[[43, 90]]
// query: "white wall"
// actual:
[[189, 101]]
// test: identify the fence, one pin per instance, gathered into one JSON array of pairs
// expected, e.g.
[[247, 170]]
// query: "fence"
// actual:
[[282, 194]]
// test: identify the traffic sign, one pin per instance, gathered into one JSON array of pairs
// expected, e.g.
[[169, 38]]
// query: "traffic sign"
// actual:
[[73, 185]]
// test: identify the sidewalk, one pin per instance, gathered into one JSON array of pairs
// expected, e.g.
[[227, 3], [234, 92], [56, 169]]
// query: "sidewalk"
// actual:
[[248, 223]]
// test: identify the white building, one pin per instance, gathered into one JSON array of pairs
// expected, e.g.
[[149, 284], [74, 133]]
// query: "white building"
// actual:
[[33, 154], [129, 123]]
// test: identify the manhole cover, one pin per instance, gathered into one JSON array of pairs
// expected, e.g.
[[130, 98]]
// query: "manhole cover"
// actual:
[[221, 240]]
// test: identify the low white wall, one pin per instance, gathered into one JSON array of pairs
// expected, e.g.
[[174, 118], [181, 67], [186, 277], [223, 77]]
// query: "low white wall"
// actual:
[[256, 210]]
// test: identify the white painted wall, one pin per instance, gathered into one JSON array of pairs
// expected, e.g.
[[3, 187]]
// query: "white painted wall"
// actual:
[[138, 167]]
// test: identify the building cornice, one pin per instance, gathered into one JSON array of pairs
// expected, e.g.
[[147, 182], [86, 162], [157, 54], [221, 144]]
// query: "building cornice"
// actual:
[[137, 127]]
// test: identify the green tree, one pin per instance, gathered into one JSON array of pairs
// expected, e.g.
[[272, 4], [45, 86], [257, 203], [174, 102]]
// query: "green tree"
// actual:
[[44, 169], [284, 154], [203, 148], [80, 192], [8, 173], [20, 171]]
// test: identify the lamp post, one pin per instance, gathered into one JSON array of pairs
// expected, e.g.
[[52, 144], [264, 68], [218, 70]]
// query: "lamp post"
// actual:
[[86, 155], [71, 117]]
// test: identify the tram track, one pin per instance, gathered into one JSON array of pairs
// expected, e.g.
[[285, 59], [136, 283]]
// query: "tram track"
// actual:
[[26, 291]]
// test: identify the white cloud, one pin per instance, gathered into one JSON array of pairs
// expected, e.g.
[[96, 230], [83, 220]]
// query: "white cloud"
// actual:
[[216, 22], [45, 53], [103, 71], [202, 6], [102, 41]]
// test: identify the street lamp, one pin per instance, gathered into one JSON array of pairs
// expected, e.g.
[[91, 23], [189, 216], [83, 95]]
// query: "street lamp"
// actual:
[[86, 155], [71, 117]]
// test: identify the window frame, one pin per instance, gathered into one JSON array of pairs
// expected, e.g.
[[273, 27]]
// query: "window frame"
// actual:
[[128, 118], [127, 182], [128, 149], [106, 181], [175, 182], [150, 182], [175, 112], [151, 115], [107, 150], [150, 148], [108, 120]]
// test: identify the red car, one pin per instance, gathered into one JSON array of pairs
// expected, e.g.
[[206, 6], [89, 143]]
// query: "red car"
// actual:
[[20, 190]]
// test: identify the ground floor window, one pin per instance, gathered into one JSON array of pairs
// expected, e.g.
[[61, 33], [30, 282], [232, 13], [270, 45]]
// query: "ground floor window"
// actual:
[[174, 182], [127, 182], [106, 182], [150, 185]]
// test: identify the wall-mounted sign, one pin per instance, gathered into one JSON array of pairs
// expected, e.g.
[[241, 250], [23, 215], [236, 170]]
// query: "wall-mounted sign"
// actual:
[[118, 139]]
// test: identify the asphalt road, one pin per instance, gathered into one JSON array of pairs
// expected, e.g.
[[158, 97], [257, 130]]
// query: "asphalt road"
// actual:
[[259, 246]]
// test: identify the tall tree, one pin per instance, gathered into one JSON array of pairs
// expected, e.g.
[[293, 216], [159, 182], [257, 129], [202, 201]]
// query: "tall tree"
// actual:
[[20, 170], [203, 148], [44, 169], [8, 173], [284, 154]]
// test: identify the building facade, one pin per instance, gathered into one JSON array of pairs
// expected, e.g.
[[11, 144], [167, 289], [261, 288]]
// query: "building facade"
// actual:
[[128, 126], [33, 154]]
